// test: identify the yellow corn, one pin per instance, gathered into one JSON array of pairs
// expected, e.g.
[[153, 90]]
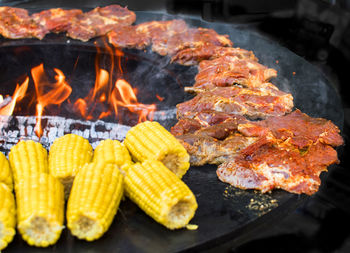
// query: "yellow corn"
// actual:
[[26, 158], [94, 200], [112, 151], [67, 155], [40, 209], [5, 172], [149, 140], [160, 193], [7, 216]]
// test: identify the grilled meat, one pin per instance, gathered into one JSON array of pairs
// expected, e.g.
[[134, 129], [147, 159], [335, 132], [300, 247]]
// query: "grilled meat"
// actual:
[[158, 32], [15, 23], [290, 153], [202, 120], [272, 167], [229, 70], [128, 37], [56, 20], [253, 103], [190, 38], [214, 144], [100, 21], [194, 55], [297, 128]]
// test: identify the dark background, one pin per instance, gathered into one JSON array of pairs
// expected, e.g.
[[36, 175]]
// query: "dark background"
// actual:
[[317, 30]]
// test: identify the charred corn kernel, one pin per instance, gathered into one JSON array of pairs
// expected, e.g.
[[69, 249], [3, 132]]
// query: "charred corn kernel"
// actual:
[[5, 172], [67, 155], [149, 140], [112, 151], [26, 158], [160, 193], [7, 216], [40, 209], [94, 200]]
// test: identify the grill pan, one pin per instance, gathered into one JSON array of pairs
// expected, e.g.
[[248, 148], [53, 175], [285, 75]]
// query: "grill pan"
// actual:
[[224, 213]]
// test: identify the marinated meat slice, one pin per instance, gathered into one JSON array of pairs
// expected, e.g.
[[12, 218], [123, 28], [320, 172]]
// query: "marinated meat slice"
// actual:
[[215, 144], [184, 126], [192, 56], [296, 128], [100, 21], [253, 103], [272, 167], [190, 38], [128, 37], [230, 70], [161, 30], [15, 23], [119, 14], [56, 20], [202, 120]]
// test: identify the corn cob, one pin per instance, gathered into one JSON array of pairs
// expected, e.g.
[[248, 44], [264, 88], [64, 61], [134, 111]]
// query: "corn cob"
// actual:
[[26, 158], [149, 140], [7, 216], [5, 172], [160, 193], [94, 200], [40, 209], [67, 155], [112, 151]]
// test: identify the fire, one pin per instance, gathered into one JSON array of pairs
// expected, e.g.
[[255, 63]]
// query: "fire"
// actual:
[[106, 96], [57, 92], [111, 93], [124, 95], [18, 94]]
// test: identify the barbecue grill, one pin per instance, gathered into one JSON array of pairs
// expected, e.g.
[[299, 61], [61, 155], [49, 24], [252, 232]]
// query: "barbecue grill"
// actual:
[[236, 219]]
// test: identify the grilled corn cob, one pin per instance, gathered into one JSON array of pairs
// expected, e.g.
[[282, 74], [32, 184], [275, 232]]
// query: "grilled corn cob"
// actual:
[[112, 151], [67, 155], [7, 216], [149, 140], [40, 209], [5, 172], [26, 158], [160, 193], [94, 200]]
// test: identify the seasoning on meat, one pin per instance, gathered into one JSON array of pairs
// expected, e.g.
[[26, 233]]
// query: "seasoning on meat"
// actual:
[[56, 20], [157, 31], [194, 55], [229, 70], [128, 37], [190, 38], [15, 23], [291, 153], [253, 103], [100, 21]]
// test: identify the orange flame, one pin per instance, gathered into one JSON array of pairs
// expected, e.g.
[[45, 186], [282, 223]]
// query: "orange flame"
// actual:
[[124, 95], [112, 96], [18, 94], [107, 95], [58, 92]]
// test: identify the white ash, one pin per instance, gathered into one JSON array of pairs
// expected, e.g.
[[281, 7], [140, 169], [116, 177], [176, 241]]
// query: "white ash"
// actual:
[[16, 128]]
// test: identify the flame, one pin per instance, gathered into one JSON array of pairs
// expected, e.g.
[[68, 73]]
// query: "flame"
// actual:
[[18, 94], [112, 96], [123, 95], [109, 95], [57, 92]]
